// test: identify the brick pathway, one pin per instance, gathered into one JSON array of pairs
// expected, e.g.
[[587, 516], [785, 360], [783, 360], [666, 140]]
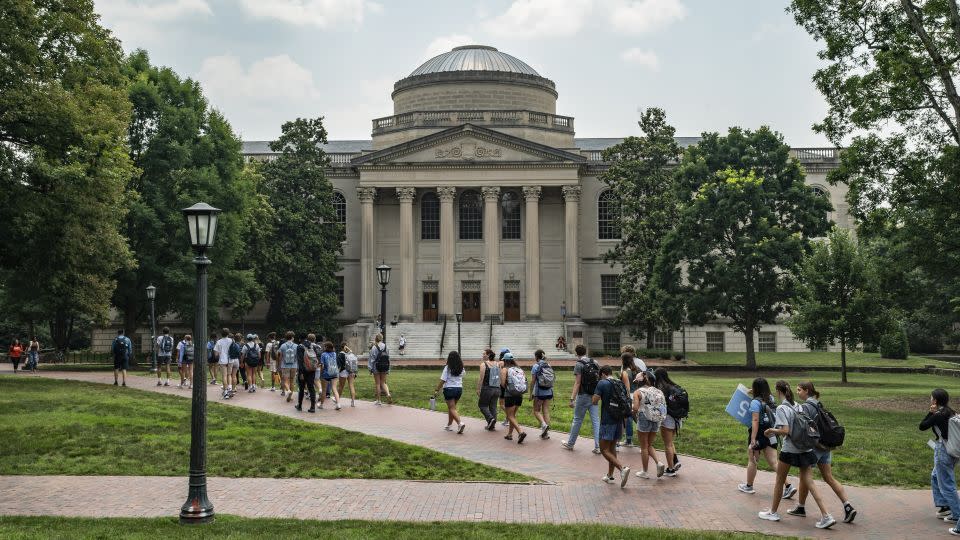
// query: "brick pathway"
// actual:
[[704, 496]]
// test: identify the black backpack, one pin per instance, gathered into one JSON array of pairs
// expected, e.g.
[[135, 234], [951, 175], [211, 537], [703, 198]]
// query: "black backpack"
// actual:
[[589, 376], [619, 404], [678, 403], [234, 351], [831, 432], [119, 348], [382, 363], [767, 417]]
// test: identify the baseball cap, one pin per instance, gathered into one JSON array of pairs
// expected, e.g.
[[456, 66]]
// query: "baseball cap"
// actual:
[[504, 350], [249, 337], [507, 356]]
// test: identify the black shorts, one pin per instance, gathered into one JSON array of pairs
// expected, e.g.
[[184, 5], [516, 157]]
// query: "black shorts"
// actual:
[[512, 401], [121, 363], [164, 359], [382, 367], [452, 393], [762, 440], [252, 363], [806, 459], [543, 398], [502, 393]]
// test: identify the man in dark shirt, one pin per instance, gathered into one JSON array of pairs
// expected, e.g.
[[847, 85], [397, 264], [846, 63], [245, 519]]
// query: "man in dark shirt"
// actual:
[[610, 429]]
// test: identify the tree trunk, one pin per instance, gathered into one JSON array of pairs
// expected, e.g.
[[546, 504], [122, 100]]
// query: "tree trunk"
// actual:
[[751, 355], [60, 331], [843, 360], [650, 331], [130, 313]]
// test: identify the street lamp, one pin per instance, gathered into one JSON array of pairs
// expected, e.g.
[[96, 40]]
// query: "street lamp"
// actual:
[[383, 276], [151, 295], [202, 225], [459, 320]]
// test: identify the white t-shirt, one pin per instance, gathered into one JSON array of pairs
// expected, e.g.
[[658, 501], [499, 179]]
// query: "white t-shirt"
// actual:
[[160, 340], [222, 348], [402, 341], [451, 381]]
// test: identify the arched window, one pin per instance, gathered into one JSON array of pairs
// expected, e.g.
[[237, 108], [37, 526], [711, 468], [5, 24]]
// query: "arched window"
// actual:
[[471, 216], [820, 192], [608, 216], [429, 216], [510, 215], [340, 207]]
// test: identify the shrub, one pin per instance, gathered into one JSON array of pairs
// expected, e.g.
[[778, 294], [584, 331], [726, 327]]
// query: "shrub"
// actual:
[[894, 344]]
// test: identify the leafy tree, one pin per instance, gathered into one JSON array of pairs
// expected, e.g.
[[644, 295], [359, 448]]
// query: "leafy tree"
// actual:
[[641, 176], [838, 299], [63, 163], [301, 257], [743, 231]]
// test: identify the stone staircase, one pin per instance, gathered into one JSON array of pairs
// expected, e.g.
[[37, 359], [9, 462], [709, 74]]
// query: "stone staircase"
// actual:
[[423, 339]]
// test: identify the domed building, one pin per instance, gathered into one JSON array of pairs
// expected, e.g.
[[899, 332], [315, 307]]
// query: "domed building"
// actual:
[[485, 204]]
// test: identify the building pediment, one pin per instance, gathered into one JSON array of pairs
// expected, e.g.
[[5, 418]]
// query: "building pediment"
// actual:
[[467, 144]]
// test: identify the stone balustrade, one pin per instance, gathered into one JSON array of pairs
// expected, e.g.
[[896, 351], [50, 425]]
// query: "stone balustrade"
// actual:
[[481, 118]]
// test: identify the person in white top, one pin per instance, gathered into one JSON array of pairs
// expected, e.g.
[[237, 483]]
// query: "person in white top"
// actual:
[[451, 381], [402, 343], [221, 351], [379, 365], [271, 354]]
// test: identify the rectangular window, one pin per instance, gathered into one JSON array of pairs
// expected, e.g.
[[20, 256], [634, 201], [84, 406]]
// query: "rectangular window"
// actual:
[[663, 340], [767, 341], [430, 218], [340, 291], [609, 290], [611, 342], [714, 341]]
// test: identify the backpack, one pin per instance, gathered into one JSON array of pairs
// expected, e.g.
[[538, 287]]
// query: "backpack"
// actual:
[[309, 357], [253, 354], [119, 347], [331, 370], [289, 355], [341, 361], [589, 376], [382, 363], [494, 376], [653, 409], [678, 403], [234, 352], [351, 361], [831, 432], [166, 345], [619, 405], [767, 417], [516, 383], [545, 376], [803, 430], [187, 355], [952, 444]]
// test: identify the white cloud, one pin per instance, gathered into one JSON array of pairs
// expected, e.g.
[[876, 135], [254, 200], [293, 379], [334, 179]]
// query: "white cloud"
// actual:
[[540, 18], [443, 44], [640, 57], [319, 13], [275, 79], [640, 16], [145, 23]]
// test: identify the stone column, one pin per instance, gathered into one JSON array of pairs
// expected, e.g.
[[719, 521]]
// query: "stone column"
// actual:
[[491, 249], [532, 245], [447, 233], [368, 288], [408, 280], [571, 197]]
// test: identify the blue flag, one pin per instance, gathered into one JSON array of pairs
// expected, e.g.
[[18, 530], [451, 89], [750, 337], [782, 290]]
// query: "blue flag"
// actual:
[[739, 406]]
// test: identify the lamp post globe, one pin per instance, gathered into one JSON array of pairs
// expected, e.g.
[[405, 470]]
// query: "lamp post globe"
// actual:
[[201, 221], [151, 295], [383, 277]]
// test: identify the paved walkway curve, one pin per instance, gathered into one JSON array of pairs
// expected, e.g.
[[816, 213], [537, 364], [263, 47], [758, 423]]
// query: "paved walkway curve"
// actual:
[[703, 496]]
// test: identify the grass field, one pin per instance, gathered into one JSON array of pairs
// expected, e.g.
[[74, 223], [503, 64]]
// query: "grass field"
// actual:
[[232, 527], [881, 413], [60, 427], [812, 359]]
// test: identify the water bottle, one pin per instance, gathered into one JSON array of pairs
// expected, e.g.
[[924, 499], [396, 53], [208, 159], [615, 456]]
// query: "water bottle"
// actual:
[[433, 403]]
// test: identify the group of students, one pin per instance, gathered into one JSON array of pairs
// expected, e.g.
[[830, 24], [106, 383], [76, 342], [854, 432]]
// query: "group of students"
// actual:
[[945, 424], [18, 350]]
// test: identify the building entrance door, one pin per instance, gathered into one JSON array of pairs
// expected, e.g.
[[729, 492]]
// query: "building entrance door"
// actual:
[[511, 306], [430, 312], [470, 306]]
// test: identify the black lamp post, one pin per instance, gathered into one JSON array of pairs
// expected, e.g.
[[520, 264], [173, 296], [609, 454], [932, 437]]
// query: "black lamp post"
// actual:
[[459, 320], [202, 224], [383, 276], [151, 295]]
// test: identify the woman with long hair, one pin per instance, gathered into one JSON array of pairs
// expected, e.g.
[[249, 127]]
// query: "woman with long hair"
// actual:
[[380, 367], [792, 455], [348, 374], [629, 371], [514, 384], [762, 418], [451, 381], [650, 407], [541, 396], [670, 425], [943, 482]]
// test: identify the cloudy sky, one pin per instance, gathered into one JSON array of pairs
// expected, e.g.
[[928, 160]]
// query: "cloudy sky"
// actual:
[[710, 64]]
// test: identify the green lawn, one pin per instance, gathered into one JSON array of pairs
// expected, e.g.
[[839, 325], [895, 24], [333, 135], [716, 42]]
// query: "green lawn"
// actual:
[[64, 427], [232, 527], [880, 412], [812, 359]]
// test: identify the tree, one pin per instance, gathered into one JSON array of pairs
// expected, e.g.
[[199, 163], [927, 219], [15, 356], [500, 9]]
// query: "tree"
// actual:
[[641, 177], [742, 231], [301, 257], [838, 300], [63, 163]]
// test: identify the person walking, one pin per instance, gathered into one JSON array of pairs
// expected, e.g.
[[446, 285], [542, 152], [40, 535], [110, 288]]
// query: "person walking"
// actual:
[[250, 356], [451, 382], [33, 354], [221, 350], [586, 374], [185, 355], [178, 358], [763, 418], [677, 406], [503, 406], [237, 370], [542, 378], [629, 376], [943, 481], [650, 407], [402, 344], [611, 428], [330, 374], [122, 349], [488, 389], [809, 399], [164, 355], [514, 383], [263, 360], [380, 362], [307, 364], [213, 364], [288, 365], [271, 356], [792, 455], [348, 374], [15, 353]]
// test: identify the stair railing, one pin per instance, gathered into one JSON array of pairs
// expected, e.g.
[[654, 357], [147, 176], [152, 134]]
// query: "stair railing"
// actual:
[[490, 336], [443, 335]]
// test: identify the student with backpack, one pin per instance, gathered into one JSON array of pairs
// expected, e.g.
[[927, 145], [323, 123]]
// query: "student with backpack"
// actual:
[[122, 349], [164, 355], [288, 365], [541, 390], [451, 382], [503, 406], [329, 373], [943, 482], [629, 373], [488, 389], [238, 371], [678, 408], [348, 374], [514, 384], [212, 363], [799, 440], [380, 360], [586, 375], [307, 364], [763, 417], [612, 395], [185, 356], [251, 357], [810, 401], [221, 350], [271, 355], [650, 406]]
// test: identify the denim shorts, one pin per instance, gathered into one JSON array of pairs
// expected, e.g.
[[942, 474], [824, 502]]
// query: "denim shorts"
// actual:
[[669, 422], [824, 457], [610, 432], [452, 393], [646, 426]]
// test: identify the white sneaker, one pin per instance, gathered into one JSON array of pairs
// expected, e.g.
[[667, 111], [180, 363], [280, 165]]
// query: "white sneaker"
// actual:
[[660, 469], [447, 428], [770, 516], [826, 522], [624, 476], [643, 474], [352, 404], [566, 446], [505, 423], [337, 407], [746, 489], [460, 428], [607, 479]]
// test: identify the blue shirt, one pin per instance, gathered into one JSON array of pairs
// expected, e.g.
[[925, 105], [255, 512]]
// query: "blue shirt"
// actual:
[[537, 391], [288, 360], [604, 390], [328, 359]]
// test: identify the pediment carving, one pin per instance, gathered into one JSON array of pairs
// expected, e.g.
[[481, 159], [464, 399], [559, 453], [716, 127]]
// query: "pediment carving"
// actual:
[[470, 263]]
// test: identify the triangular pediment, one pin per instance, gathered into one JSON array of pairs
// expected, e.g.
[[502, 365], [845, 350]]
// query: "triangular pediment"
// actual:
[[468, 144]]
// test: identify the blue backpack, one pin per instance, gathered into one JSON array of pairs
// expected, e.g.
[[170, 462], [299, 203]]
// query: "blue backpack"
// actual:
[[119, 347]]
